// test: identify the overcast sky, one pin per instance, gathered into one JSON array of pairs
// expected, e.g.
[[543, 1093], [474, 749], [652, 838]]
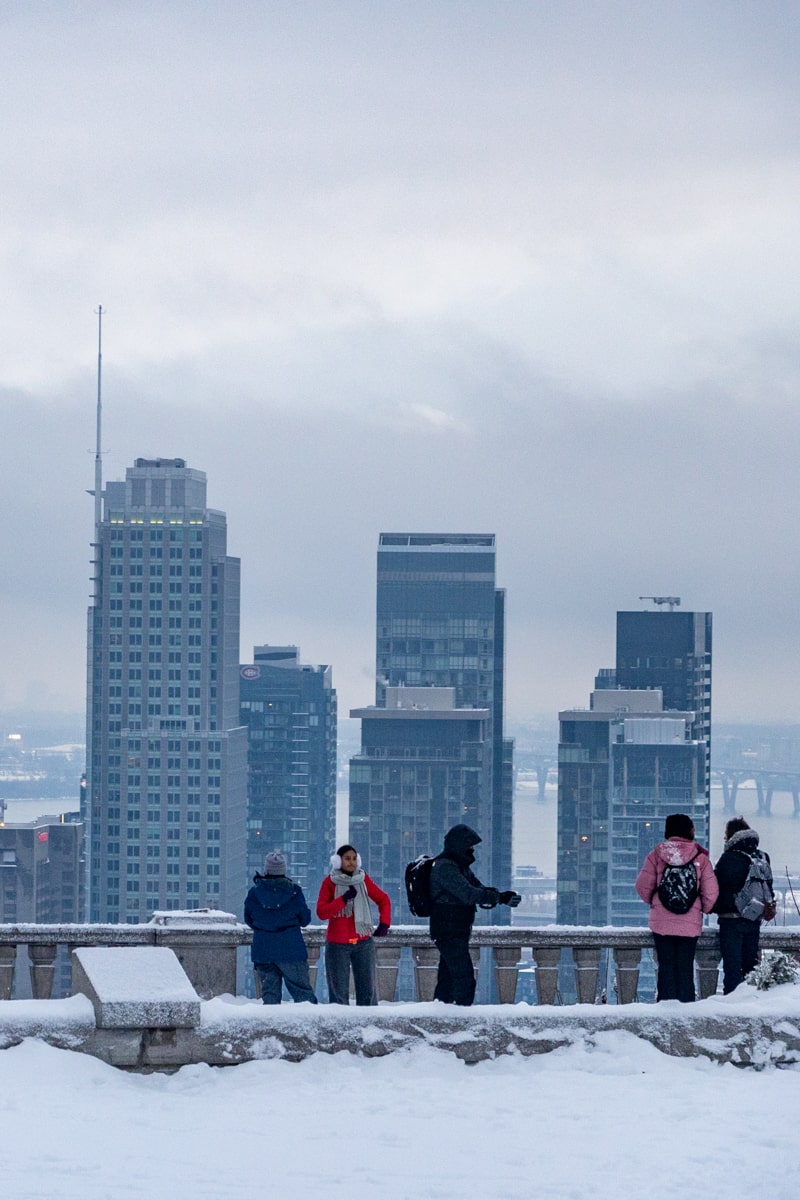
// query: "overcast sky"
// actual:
[[521, 268]]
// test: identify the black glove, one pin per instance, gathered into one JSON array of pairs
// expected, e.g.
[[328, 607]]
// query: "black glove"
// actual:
[[382, 930], [512, 899], [350, 894]]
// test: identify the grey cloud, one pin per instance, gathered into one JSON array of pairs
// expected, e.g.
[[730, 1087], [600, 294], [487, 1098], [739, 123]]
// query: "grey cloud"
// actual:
[[521, 268], [593, 505]]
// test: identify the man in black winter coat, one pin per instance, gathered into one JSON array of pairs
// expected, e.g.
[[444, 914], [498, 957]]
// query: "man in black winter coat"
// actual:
[[456, 895], [738, 936]]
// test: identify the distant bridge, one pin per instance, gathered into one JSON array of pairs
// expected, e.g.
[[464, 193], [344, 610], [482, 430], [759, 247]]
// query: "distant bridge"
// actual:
[[543, 766], [767, 782]]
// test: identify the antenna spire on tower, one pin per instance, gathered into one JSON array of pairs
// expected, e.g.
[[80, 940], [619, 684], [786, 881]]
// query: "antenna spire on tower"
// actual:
[[98, 453]]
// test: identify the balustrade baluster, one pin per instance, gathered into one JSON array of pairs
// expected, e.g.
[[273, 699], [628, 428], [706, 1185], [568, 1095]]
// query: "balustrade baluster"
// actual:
[[388, 962], [506, 966], [547, 959], [627, 962], [586, 960], [313, 965], [43, 958], [426, 965], [707, 961], [8, 957]]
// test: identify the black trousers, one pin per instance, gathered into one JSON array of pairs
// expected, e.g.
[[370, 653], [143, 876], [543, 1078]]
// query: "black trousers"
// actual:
[[738, 942], [675, 966], [455, 983]]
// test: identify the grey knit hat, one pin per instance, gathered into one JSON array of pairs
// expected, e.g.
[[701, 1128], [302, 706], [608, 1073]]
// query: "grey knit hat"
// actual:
[[275, 863]]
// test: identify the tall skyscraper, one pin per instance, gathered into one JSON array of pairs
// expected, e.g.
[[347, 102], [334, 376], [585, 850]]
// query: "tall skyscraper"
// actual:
[[441, 624], [166, 755], [290, 713], [639, 753], [672, 651]]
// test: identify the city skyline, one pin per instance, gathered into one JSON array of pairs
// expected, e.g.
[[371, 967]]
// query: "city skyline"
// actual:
[[527, 269]]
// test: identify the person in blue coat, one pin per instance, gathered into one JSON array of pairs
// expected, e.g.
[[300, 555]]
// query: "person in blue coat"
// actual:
[[276, 911]]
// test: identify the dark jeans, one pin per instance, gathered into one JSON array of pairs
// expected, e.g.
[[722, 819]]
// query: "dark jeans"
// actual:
[[738, 941], [675, 966], [340, 959], [293, 974], [455, 983]]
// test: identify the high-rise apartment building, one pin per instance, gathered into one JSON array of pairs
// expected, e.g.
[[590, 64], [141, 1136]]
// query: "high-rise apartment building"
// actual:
[[624, 764], [441, 624], [289, 710], [166, 755], [639, 753]]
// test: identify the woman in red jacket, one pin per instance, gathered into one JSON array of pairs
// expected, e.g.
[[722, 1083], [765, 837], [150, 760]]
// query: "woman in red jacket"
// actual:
[[343, 902]]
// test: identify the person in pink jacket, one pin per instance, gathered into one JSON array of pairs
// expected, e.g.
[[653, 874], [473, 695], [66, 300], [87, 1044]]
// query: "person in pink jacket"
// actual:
[[675, 934]]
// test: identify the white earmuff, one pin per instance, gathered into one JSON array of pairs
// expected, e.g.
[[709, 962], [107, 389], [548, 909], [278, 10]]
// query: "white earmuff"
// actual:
[[336, 862]]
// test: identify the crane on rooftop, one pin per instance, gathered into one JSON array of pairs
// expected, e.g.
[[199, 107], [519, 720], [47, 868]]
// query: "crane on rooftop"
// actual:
[[672, 601]]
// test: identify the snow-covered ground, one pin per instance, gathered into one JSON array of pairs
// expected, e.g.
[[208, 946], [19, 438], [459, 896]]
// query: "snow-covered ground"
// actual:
[[614, 1118]]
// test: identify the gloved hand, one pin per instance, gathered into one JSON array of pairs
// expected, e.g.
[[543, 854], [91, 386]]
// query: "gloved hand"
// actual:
[[350, 894], [382, 930], [512, 899]]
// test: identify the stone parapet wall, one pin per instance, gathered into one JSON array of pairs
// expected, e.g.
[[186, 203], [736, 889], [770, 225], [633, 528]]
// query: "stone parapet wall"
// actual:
[[759, 1030]]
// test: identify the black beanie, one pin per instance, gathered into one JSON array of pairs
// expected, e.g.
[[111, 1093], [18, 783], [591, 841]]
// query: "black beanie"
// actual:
[[679, 825]]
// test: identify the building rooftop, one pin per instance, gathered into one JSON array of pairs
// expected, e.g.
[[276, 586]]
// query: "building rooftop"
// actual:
[[418, 540]]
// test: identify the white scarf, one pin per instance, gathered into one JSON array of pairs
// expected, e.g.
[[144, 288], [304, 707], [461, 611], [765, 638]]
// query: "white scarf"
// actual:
[[358, 907]]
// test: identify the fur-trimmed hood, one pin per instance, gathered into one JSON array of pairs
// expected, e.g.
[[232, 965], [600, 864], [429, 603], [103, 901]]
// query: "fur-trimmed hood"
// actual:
[[744, 839]]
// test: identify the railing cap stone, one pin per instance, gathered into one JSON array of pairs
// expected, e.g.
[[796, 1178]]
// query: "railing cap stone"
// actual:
[[193, 918]]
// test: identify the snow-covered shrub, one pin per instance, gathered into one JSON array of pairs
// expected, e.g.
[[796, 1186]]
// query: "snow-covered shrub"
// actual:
[[775, 967]]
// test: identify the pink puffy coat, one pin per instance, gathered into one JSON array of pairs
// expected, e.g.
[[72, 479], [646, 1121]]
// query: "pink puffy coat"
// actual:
[[674, 852]]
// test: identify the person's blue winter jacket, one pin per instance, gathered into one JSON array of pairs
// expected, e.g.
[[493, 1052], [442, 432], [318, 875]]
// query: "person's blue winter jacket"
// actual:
[[276, 911]]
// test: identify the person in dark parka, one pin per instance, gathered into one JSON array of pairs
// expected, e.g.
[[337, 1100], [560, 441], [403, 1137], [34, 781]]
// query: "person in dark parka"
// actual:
[[738, 936], [456, 894], [276, 911]]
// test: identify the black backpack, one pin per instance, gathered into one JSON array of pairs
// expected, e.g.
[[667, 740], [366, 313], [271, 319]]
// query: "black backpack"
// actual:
[[678, 889], [418, 885]]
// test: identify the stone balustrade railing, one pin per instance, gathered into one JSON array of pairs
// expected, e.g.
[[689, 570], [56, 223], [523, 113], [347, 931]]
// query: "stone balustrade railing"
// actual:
[[206, 946]]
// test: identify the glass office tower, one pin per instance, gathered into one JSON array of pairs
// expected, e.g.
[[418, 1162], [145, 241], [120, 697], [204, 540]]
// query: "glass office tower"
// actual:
[[441, 623], [672, 651], [165, 801]]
